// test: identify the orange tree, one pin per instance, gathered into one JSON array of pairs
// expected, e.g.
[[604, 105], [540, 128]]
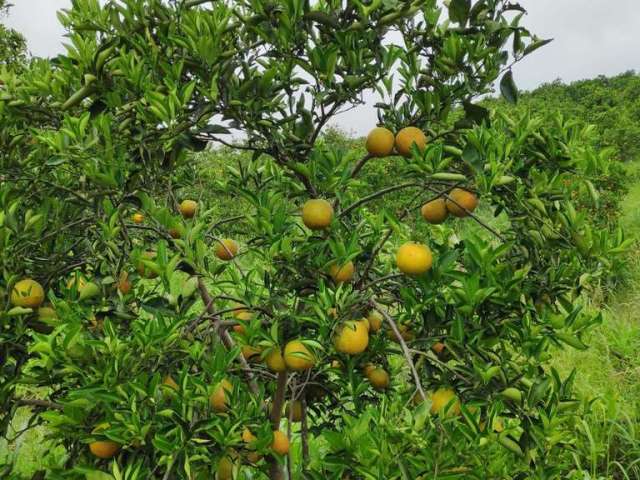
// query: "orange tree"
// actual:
[[166, 335]]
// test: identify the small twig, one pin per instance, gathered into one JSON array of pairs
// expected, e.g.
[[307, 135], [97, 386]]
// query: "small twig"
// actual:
[[382, 279], [361, 163], [304, 432], [405, 349], [276, 415], [32, 402], [378, 194]]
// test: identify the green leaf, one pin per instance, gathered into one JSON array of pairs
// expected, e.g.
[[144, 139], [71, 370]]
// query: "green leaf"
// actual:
[[472, 156], [508, 88], [532, 47], [459, 11]]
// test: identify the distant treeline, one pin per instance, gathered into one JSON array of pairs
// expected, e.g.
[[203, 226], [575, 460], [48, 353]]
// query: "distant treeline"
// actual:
[[612, 104]]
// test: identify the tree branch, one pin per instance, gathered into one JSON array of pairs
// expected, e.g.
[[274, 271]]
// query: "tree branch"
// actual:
[[403, 345], [224, 335]]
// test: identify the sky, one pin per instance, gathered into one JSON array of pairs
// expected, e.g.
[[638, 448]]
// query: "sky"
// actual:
[[591, 37]]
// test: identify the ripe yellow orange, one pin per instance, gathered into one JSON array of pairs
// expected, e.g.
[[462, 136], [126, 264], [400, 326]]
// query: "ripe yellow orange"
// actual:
[[251, 353], [375, 320], [368, 368], [294, 411], [407, 137], [280, 443], [241, 312], [226, 249], [137, 218], [380, 142], [143, 270], [124, 284], [27, 293], [414, 259], [352, 338], [247, 436], [463, 202], [317, 214], [218, 399], [188, 208], [378, 378], [275, 360], [342, 274], [225, 469], [441, 398], [438, 348], [240, 328], [104, 448], [170, 382], [297, 356], [435, 211]]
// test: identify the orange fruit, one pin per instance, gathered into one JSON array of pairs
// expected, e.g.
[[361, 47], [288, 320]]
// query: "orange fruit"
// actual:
[[352, 338], [375, 320], [137, 218], [342, 274], [297, 356], [463, 202], [241, 312], [414, 259], [247, 436], [251, 353], [188, 208], [124, 284], [378, 378], [317, 214], [226, 249], [104, 448], [225, 469], [174, 232], [27, 293], [218, 399], [275, 360], [435, 211], [437, 348], [280, 443], [407, 137], [380, 142], [170, 382], [441, 398]]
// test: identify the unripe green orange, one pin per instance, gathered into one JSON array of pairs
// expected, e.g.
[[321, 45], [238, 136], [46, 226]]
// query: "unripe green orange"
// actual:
[[380, 142]]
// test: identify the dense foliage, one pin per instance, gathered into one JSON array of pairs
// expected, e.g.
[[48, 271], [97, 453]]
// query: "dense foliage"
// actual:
[[611, 104], [13, 47], [140, 369]]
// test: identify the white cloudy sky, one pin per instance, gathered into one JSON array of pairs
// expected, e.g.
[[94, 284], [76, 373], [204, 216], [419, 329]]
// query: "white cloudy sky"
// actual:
[[592, 37]]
